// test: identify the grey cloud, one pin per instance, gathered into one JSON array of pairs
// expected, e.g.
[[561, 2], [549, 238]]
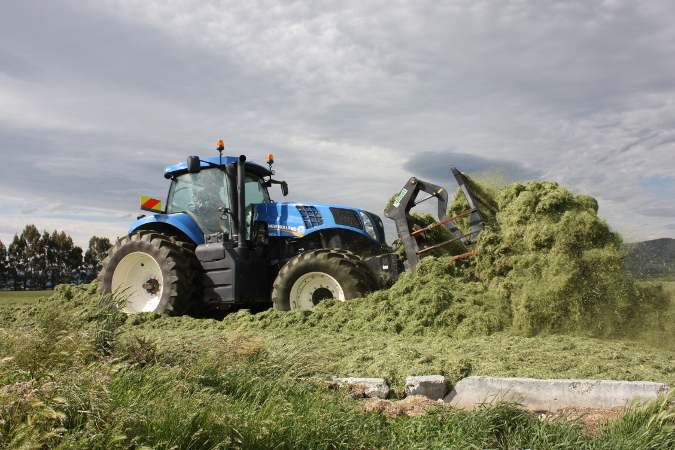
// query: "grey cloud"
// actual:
[[669, 139], [435, 166], [92, 182], [53, 207], [28, 210], [15, 66], [646, 139], [82, 51], [578, 93], [588, 58], [658, 212]]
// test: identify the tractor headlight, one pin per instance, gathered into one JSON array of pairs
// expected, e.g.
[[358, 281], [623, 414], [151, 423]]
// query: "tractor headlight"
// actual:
[[370, 226]]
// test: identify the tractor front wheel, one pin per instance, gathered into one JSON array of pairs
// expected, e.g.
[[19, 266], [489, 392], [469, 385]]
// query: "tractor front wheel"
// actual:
[[313, 276], [154, 272]]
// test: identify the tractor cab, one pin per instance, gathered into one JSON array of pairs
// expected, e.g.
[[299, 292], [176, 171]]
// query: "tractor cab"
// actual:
[[208, 191], [206, 197]]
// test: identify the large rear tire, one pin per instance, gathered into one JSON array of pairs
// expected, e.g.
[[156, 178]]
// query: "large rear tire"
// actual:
[[316, 275], [156, 273]]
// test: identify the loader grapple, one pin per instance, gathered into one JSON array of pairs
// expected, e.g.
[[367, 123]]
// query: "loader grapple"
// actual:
[[399, 211]]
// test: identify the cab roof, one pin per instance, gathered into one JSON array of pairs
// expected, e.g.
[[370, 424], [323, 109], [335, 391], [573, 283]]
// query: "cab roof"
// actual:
[[181, 168]]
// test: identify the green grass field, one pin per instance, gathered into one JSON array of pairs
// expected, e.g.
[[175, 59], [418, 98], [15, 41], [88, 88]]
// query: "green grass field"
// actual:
[[75, 375], [9, 297]]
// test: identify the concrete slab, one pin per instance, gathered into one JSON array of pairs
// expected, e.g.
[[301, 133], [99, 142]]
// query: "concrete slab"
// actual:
[[551, 395], [374, 387], [430, 386]]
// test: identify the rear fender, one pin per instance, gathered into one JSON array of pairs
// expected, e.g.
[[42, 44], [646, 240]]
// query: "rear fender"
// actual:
[[180, 221]]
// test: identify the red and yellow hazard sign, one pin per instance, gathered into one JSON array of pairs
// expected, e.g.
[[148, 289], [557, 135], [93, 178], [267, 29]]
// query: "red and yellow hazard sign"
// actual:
[[151, 204]]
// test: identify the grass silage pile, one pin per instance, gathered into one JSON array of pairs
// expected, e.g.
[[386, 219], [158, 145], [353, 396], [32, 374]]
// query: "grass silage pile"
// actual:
[[546, 263]]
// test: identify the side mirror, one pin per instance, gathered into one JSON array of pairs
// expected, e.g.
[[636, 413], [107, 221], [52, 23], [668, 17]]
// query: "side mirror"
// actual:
[[284, 188], [194, 165]]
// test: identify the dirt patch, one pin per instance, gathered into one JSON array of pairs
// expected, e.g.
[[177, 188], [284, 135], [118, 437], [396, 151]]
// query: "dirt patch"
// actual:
[[591, 418], [414, 405], [417, 405]]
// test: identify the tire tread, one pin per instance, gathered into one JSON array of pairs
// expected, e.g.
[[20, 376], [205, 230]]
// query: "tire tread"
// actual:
[[185, 273], [344, 263]]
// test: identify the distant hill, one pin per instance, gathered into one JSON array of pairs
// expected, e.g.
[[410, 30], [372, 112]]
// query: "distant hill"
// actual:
[[654, 258]]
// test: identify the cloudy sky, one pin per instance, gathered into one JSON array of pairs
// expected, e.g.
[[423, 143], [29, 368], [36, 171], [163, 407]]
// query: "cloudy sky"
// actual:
[[352, 98]]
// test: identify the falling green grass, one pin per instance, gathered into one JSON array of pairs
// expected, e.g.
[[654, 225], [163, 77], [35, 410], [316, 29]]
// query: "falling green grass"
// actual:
[[667, 284]]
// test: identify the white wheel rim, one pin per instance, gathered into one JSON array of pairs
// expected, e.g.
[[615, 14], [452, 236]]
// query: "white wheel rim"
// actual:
[[133, 278], [313, 284]]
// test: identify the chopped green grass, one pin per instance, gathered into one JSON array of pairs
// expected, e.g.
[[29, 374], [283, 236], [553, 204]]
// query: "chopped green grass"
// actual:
[[379, 354]]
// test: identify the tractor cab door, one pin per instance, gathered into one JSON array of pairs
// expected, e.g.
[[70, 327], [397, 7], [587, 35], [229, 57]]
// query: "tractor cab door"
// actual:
[[204, 197]]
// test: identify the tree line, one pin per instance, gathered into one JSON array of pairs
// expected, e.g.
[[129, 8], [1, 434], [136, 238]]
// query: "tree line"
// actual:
[[34, 261]]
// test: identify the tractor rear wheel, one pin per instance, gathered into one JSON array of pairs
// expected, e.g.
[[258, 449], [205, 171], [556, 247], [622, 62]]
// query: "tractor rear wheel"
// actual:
[[316, 275], [156, 273]]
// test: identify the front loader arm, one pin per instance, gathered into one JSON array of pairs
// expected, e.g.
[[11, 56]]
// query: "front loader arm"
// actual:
[[399, 211]]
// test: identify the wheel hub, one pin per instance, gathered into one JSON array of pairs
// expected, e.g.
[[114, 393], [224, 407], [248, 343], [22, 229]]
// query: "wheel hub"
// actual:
[[151, 286], [321, 293], [311, 288]]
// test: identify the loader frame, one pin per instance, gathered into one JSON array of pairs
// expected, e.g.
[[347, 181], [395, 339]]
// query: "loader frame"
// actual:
[[409, 232]]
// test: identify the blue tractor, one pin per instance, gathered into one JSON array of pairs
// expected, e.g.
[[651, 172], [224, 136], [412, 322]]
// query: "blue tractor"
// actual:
[[222, 243]]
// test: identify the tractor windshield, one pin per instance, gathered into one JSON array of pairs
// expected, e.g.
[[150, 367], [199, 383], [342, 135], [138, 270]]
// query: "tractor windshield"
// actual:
[[204, 196]]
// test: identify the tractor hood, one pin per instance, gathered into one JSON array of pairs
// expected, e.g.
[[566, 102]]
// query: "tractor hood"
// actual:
[[301, 219]]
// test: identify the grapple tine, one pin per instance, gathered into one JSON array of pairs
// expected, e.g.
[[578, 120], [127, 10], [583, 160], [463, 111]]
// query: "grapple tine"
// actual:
[[476, 224]]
